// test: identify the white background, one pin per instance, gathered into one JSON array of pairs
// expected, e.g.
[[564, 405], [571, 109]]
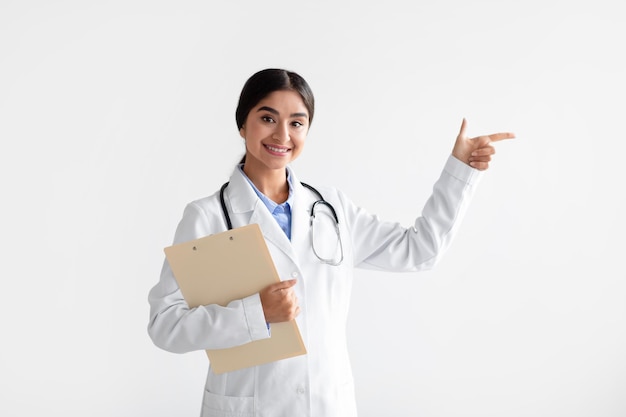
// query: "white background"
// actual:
[[113, 115]]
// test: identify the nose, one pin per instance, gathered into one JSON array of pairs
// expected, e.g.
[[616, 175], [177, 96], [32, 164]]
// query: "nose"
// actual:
[[281, 133]]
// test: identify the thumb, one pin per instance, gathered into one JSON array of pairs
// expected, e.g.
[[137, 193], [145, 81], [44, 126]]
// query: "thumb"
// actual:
[[462, 132], [283, 285]]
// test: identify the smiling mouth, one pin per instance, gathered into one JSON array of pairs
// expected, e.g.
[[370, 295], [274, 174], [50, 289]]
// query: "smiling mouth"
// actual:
[[277, 150]]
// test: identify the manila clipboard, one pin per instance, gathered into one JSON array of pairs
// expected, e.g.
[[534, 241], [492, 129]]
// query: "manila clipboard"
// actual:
[[226, 266]]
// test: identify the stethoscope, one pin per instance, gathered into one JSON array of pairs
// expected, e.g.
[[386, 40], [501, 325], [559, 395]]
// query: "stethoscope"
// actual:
[[320, 201]]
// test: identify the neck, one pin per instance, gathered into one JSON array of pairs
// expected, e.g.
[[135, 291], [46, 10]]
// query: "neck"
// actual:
[[272, 183]]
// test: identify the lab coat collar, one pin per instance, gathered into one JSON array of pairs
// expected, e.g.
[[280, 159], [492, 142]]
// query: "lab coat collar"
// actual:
[[246, 208], [241, 196]]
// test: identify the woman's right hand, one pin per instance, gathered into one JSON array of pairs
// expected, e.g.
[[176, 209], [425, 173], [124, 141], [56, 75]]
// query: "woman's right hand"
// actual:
[[476, 152], [279, 302]]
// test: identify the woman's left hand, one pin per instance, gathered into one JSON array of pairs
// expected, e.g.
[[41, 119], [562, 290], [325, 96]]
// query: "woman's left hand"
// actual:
[[476, 152]]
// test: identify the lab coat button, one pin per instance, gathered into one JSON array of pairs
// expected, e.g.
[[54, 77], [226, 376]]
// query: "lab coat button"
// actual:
[[294, 274], [300, 390]]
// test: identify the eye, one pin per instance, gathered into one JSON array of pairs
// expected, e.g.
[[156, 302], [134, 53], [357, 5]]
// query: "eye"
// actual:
[[297, 123], [267, 119]]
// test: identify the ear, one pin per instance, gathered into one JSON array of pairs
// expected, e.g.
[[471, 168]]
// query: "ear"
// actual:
[[242, 131]]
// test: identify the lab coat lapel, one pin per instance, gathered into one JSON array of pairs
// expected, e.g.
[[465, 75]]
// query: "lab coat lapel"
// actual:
[[300, 217], [247, 208], [271, 230]]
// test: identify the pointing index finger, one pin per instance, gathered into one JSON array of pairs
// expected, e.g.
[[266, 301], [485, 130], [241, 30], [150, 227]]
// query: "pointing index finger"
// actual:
[[495, 137]]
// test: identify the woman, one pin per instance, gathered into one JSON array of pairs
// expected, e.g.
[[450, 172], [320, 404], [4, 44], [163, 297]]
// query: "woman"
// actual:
[[315, 262]]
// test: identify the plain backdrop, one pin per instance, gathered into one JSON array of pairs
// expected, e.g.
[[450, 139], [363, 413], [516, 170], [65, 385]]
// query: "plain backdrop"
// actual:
[[115, 114]]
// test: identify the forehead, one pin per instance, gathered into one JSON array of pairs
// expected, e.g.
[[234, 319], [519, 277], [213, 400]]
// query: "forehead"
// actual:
[[286, 101]]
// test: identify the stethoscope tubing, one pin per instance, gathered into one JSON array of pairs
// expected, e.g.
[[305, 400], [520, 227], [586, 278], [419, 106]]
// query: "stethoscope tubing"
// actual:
[[321, 200]]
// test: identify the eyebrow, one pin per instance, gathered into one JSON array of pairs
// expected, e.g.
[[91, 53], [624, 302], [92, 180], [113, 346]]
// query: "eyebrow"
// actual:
[[274, 111]]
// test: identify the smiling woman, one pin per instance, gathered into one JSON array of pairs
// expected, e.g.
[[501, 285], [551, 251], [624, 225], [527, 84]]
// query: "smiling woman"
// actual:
[[274, 114], [275, 131]]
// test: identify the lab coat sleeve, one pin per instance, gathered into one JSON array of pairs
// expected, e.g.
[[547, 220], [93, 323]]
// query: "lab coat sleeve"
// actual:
[[175, 327], [384, 245]]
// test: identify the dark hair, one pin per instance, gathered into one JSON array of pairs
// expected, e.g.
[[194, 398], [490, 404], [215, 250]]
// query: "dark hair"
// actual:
[[265, 82]]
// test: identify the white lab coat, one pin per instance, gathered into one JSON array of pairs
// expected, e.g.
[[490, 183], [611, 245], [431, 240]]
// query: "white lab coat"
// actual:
[[319, 383]]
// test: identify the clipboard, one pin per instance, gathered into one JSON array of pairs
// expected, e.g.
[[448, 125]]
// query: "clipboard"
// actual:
[[226, 266]]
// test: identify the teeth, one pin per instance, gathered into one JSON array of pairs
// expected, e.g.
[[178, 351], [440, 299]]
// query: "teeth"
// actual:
[[273, 149]]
